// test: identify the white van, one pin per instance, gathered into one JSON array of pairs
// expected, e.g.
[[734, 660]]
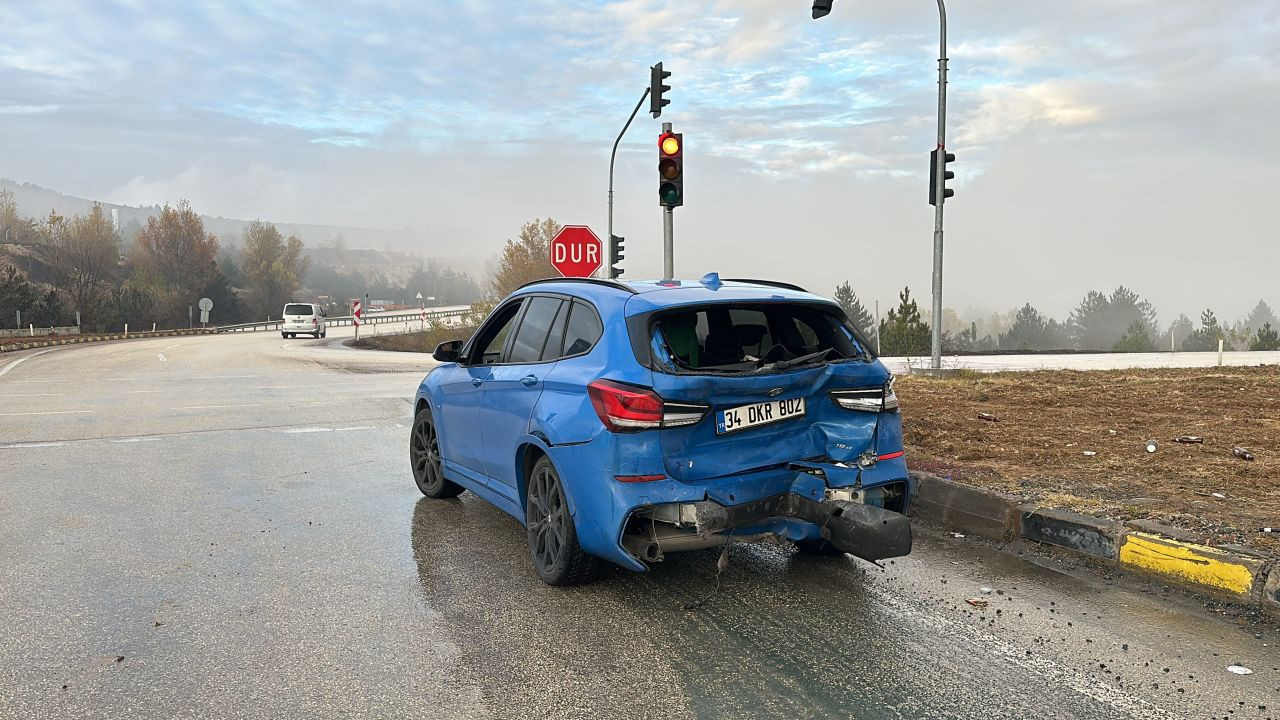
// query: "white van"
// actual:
[[303, 319]]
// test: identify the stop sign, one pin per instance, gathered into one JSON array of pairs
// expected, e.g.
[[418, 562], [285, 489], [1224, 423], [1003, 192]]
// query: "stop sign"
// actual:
[[576, 251]]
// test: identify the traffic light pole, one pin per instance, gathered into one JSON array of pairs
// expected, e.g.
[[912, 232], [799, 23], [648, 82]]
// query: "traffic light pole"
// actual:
[[612, 156], [668, 225], [939, 185]]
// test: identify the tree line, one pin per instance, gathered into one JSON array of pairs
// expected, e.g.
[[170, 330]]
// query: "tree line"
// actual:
[[82, 264], [1121, 321], [58, 266]]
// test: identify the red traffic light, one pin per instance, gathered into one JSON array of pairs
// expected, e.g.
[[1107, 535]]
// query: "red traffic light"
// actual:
[[670, 169], [669, 144]]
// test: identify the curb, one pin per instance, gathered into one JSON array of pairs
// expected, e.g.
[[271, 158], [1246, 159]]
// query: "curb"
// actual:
[[76, 339], [964, 508], [1145, 547], [1072, 530]]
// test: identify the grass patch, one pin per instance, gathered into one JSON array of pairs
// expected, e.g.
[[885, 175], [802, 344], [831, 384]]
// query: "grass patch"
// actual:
[[420, 341]]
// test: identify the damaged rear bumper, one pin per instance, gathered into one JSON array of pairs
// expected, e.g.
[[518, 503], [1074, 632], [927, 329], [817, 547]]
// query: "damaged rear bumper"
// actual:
[[866, 531]]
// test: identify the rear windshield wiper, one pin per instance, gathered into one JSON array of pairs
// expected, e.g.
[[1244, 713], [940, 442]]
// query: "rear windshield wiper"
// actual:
[[795, 362]]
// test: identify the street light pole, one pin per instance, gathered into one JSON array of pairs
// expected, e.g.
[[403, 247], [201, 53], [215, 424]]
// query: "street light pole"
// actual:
[[820, 9], [613, 155], [939, 183]]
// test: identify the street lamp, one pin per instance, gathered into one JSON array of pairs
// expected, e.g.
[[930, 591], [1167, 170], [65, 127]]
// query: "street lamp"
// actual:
[[820, 9]]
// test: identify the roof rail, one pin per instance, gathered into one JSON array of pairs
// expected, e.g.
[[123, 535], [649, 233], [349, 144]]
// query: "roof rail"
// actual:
[[770, 283], [594, 281]]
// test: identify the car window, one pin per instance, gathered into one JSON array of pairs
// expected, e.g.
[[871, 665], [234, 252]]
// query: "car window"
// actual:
[[534, 328], [555, 340], [750, 332], [583, 331], [297, 310], [808, 335], [493, 336], [746, 338]]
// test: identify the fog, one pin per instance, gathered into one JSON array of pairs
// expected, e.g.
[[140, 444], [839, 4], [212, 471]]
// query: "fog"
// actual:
[[1097, 147]]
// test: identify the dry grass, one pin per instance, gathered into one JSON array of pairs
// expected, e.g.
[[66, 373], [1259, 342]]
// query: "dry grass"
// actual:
[[421, 341], [1049, 419]]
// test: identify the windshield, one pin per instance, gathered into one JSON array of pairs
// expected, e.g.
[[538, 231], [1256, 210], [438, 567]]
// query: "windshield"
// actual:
[[297, 310], [752, 338]]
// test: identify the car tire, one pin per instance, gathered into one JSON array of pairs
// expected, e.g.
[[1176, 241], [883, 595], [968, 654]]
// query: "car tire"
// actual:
[[424, 459], [553, 539], [284, 335], [820, 548]]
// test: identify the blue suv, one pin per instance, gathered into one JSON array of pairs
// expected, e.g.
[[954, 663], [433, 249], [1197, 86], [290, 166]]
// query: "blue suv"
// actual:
[[624, 421]]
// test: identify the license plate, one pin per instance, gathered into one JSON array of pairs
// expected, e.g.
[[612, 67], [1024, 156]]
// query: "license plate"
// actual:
[[757, 414]]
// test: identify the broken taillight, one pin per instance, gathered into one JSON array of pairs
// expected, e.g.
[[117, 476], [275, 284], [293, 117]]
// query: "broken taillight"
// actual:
[[631, 408], [877, 399]]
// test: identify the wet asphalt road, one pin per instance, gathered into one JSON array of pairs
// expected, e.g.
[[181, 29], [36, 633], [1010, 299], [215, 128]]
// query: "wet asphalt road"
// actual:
[[227, 527]]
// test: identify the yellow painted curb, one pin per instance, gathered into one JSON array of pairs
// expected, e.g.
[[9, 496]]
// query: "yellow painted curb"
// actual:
[[1188, 562]]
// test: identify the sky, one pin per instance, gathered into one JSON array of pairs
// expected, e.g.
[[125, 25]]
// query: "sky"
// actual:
[[1098, 142]]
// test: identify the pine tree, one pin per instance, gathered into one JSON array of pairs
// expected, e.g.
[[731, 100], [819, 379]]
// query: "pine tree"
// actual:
[[1206, 337], [1266, 339], [854, 309], [902, 332], [1026, 332], [1259, 316], [1136, 339]]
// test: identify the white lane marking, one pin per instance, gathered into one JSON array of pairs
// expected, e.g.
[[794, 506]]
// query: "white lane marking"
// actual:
[[360, 427], [21, 360], [139, 392], [161, 356], [34, 395], [49, 412], [211, 407], [298, 431], [281, 387], [157, 436], [170, 347]]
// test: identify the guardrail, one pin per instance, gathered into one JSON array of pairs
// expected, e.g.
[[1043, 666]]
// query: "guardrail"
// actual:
[[373, 319]]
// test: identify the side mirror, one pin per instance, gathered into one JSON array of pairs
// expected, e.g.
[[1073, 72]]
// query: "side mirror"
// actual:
[[450, 351]]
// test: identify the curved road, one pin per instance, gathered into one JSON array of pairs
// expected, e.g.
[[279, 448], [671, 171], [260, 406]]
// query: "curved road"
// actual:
[[226, 526]]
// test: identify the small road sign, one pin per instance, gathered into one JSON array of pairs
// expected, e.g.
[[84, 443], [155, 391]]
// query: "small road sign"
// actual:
[[357, 313], [206, 304], [576, 251]]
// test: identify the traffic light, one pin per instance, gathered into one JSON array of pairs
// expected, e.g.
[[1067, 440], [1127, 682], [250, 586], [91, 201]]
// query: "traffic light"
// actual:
[[615, 255], [821, 8], [656, 88], [933, 177], [671, 169]]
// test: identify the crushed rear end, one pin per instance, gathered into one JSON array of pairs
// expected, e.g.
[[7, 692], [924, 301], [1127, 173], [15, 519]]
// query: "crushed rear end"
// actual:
[[760, 450]]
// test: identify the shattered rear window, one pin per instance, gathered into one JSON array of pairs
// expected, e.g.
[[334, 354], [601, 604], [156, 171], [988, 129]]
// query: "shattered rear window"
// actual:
[[752, 338]]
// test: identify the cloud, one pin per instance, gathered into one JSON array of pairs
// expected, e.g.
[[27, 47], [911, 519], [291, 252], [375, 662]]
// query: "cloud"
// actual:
[[464, 118], [1004, 111]]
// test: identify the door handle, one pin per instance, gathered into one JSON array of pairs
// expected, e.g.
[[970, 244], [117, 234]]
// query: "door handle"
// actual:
[[528, 381], [476, 382]]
